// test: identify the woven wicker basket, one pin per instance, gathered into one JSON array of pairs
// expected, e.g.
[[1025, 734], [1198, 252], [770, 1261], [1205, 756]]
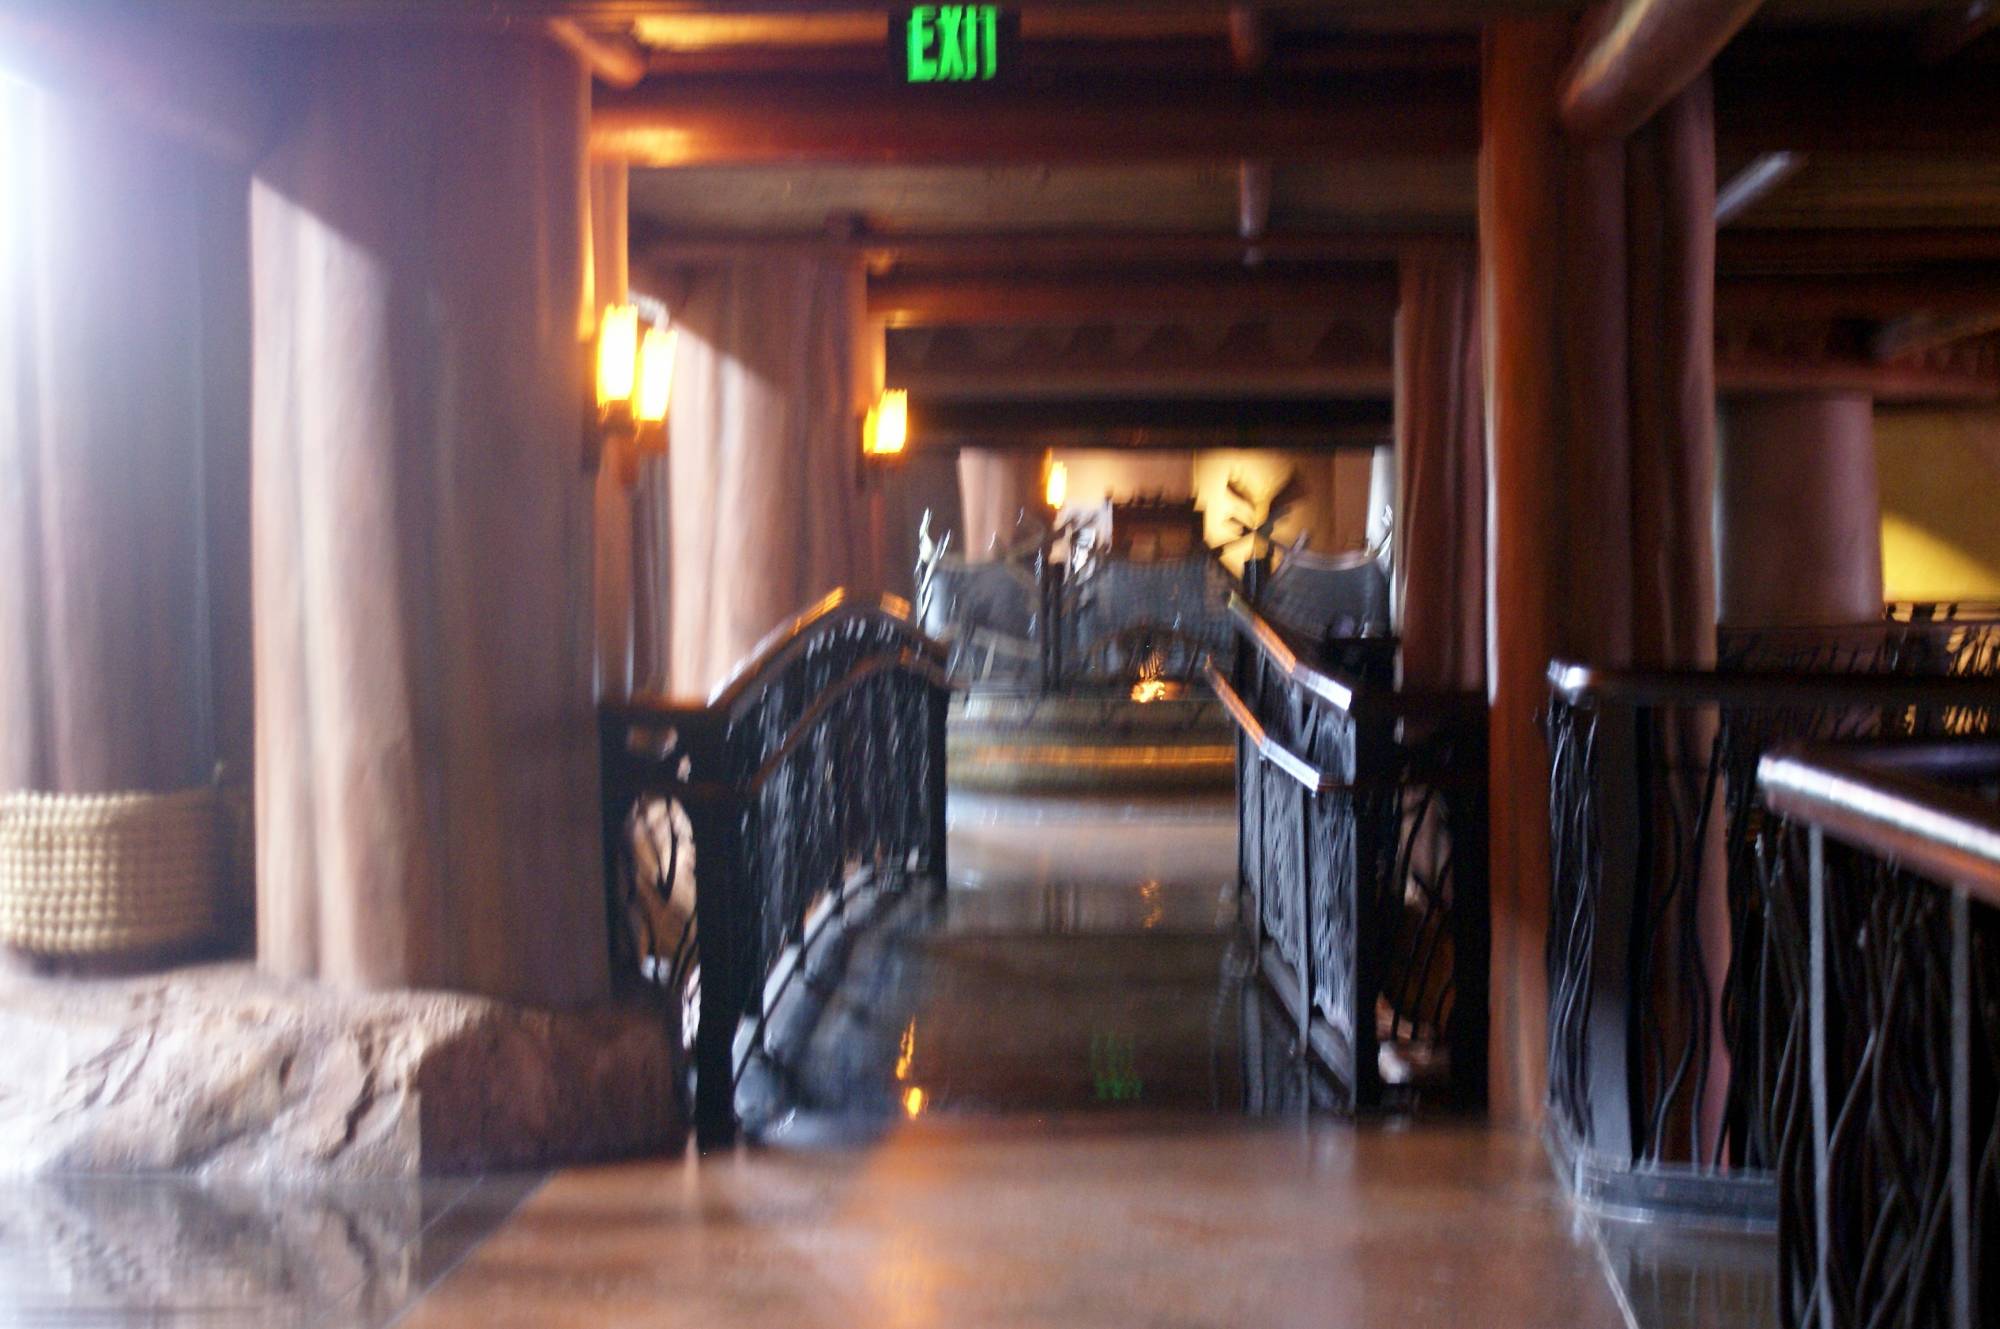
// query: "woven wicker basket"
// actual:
[[96, 874]]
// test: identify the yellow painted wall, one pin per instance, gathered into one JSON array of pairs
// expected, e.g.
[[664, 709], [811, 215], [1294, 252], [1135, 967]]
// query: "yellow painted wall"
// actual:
[[1940, 479]]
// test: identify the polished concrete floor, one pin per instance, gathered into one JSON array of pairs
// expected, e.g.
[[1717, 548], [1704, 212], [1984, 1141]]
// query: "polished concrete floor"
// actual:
[[1085, 958], [1158, 1220], [147, 1251], [1023, 1104]]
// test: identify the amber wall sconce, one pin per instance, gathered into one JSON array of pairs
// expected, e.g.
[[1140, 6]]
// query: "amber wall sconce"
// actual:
[[634, 377], [885, 430]]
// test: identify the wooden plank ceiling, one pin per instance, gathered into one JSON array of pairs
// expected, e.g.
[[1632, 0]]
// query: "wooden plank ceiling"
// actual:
[[1202, 202]]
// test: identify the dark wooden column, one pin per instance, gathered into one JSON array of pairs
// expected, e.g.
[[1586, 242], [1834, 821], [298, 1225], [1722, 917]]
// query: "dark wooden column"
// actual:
[[1518, 260], [1800, 527]]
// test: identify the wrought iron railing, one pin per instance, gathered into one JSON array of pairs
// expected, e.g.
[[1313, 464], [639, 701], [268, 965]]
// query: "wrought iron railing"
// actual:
[[1925, 641], [1362, 864], [1666, 1037], [813, 778], [1034, 622], [1885, 927]]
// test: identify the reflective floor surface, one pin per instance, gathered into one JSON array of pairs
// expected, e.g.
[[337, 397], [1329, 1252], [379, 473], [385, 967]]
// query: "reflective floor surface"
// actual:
[[1084, 957], [1078, 1222], [1021, 1104], [105, 1251]]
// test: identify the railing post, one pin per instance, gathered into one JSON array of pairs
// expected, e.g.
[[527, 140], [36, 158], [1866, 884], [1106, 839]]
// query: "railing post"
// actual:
[[1304, 966], [1964, 1255], [1376, 808], [715, 815], [1471, 919], [615, 798], [1621, 827], [937, 711], [1818, 1070]]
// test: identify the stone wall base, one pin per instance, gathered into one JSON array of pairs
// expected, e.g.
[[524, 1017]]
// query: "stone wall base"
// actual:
[[220, 1071]]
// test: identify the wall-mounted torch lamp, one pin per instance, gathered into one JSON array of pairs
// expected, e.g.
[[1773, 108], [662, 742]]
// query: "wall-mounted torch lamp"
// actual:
[[885, 431], [635, 384], [1057, 487]]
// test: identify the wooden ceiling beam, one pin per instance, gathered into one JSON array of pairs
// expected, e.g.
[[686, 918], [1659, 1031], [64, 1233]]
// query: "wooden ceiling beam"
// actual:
[[1918, 333], [1003, 300], [1642, 53], [1016, 251], [615, 61], [864, 117], [1744, 372], [1852, 251], [697, 121], [1836, 253], [1872, 109], [1862, 296], [1364, 376]]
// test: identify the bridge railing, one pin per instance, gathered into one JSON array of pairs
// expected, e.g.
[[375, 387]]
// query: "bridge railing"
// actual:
[[1362, 864], [813, 777], [1885, 931], [1667, 1030]]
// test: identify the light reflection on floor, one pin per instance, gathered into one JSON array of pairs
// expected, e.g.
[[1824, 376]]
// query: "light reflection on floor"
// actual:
[[1086, 956], [117, 1251]]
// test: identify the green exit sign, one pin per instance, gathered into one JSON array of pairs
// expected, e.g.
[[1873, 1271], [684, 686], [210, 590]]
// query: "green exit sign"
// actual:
[[952, 43]]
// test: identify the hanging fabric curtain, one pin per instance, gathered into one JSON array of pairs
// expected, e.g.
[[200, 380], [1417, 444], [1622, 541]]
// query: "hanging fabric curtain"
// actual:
[[767, 512], [118, 406], [1440, 531]]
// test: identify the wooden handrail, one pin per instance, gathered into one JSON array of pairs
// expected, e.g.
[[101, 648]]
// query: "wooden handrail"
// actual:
[[1270, 642], [789, 638], [1870, 798], [1286, 760], [1581, 684]]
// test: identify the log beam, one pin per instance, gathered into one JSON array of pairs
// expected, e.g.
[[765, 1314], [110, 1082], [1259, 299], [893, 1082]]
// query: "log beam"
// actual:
[[1744, 373], [1866, 296], [1642, 55], [1367, 376], [716, 121], [1919, 333], [1853, 251], [616, 62], [999, 301], [1016, 251]]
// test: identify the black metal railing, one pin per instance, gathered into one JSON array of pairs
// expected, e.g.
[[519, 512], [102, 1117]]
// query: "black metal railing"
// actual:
[[1362, 864], [815, 777], [1885, 927], [1923, 641], [1037, 623], [1666, 1033]]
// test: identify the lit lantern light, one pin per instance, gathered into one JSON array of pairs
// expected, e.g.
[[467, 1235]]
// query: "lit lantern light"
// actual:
[[886, 431], [635, 381], [617, 360], [914, 1102], [656, 375], [1058, 484]]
